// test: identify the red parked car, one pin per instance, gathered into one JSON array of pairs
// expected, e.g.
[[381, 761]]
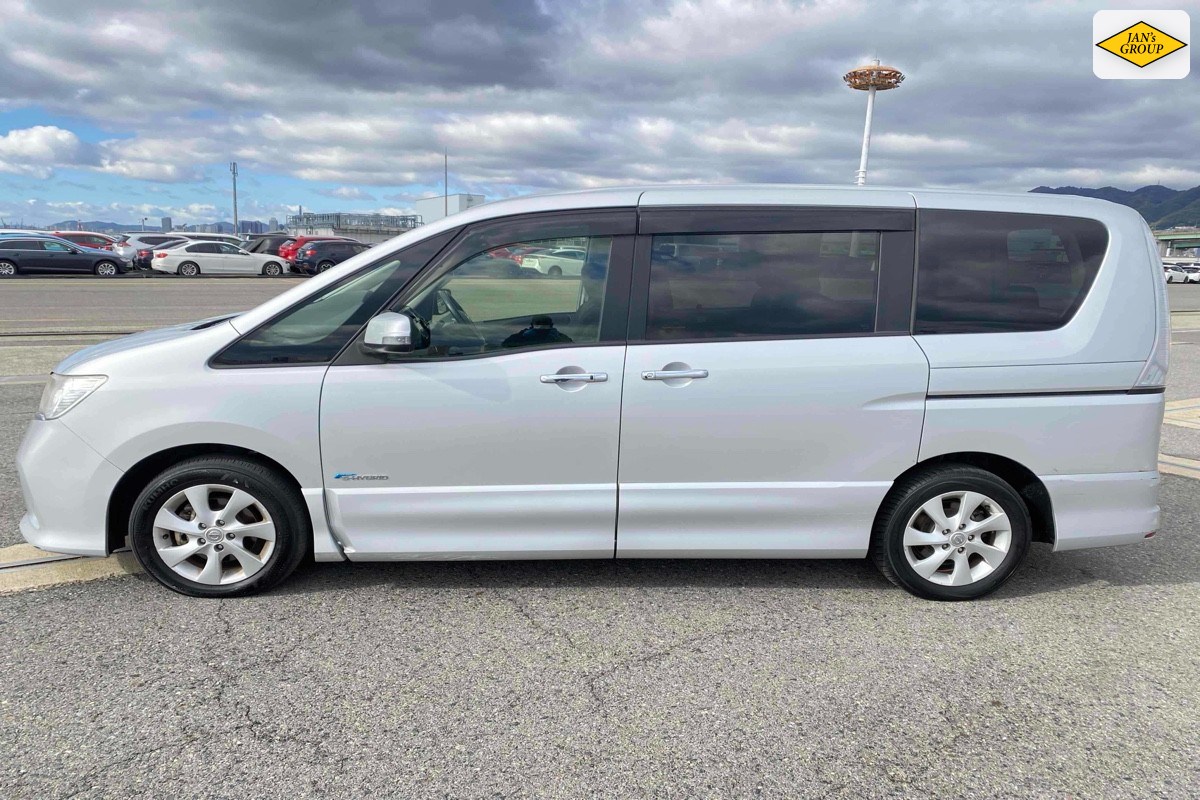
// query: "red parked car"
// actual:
[[288, 251], [96, 241]]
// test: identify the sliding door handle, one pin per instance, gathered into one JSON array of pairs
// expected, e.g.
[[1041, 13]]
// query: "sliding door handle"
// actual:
[[568, 377], [674, 374]]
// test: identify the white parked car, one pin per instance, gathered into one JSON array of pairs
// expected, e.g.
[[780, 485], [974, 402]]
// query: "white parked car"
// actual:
[[1192, 273], [215, 258], [556, 261], [1174, 274], [930, 379]]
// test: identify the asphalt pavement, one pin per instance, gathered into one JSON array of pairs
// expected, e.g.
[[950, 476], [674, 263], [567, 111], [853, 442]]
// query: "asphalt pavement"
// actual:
[[1080, 678]]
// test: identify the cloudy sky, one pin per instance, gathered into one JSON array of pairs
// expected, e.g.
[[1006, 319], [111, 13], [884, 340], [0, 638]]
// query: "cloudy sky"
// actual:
[[119, 110]]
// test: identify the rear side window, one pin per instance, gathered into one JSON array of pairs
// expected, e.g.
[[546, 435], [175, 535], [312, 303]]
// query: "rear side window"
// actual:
[[762, 284], [983, 272]]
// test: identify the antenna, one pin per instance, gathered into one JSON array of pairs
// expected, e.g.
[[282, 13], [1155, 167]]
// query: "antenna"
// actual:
[[445, 183]]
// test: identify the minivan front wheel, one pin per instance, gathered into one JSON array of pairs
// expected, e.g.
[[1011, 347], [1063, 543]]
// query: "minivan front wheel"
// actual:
[[219, 527], [951, 533]]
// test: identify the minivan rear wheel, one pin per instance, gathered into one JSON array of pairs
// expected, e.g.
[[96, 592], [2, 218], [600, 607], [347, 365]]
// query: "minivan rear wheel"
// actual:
[[219, 526], [952, 532]]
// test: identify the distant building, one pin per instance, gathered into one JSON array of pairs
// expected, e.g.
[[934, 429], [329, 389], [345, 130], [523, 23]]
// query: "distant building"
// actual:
[[363, 227], [251, 226], [432, 209], [272, 224], [166, 224]]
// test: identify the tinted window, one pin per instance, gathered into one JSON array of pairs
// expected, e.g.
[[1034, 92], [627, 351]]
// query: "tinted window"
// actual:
[[228, 249], [155, 239], [23, 244], [205, 247], [487, 304], [314, 331], [762, 284], [980, 271]]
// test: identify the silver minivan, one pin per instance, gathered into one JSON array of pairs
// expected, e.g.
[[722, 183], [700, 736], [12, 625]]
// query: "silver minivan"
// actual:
[[930, 379]]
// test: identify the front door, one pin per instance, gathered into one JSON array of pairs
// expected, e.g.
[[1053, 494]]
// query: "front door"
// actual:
[[499, 438], [773, 394], [61, 257]]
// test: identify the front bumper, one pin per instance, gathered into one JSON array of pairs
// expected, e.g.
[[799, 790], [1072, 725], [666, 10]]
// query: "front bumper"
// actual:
[[66, 485]]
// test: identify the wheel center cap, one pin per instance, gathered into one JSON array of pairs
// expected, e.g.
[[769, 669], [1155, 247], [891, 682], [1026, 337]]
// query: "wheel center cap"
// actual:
[[213, 535], [958, 539]]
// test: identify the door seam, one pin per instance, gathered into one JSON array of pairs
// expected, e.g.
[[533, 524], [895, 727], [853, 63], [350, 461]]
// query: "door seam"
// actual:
[[620, 424]]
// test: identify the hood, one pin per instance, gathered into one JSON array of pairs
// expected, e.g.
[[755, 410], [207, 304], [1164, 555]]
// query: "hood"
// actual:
[[73, 362]]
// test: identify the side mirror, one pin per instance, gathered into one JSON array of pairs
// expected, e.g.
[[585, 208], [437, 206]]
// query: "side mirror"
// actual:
[[391, 333]]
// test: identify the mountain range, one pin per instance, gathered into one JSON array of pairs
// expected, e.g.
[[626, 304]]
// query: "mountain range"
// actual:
[[1162, 207]]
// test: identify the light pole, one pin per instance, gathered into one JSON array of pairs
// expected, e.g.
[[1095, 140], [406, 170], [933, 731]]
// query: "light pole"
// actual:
[[869, 78], [144, 223], [233, 172]]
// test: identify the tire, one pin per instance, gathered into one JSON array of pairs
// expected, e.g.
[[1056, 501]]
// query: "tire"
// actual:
[[8, 269], [554, 272], [959, 567], [211, 563], [324, 265], [106, 269], [188, 269], [272, 269]]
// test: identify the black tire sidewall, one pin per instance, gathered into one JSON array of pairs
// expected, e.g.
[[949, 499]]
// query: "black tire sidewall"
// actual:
[[292, 532], [188, 264], [940, 483], [324, 266]]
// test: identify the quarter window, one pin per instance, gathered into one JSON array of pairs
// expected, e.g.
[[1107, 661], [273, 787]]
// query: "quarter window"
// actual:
[[551, 295], [769, 284], [987, 272]]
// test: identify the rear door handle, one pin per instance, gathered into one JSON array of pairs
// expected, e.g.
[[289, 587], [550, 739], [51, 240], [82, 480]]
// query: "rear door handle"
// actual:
[[674, 374], [567, 377]]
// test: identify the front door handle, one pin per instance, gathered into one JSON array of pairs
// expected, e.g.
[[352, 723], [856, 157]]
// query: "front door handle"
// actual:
[[583, 377], [674, 374]]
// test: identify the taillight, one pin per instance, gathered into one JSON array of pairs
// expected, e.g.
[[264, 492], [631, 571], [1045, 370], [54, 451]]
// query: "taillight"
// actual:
[[310, 252], [160, 255], [519, 259], [1154, 372]]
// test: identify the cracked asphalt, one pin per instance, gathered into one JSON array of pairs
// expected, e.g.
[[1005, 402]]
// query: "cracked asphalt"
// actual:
[[1079, 679]]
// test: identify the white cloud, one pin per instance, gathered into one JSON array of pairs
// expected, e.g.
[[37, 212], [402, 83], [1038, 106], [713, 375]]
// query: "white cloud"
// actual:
[[37, 150]]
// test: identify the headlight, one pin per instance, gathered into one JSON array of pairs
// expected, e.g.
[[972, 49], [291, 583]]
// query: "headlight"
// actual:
[[64, 392]]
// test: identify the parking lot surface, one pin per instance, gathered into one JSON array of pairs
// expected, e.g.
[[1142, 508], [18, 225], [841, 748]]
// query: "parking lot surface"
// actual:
[[1079, 678]]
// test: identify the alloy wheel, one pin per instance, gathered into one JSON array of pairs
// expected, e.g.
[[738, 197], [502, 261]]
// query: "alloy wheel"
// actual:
[[214, 534], [957, 538], [106, 269], [7, 269]]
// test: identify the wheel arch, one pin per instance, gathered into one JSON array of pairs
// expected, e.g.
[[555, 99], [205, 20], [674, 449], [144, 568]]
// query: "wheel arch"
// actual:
[[120, 502], [1028, 485]]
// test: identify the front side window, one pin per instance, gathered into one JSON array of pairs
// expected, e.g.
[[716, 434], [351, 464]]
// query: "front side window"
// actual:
[[316, 329], [986, 272], [489, 303], [734, 286], [55, 247], [228, 249]]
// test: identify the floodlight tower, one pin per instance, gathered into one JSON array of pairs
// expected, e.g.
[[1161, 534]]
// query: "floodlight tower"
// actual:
[[870, 78]]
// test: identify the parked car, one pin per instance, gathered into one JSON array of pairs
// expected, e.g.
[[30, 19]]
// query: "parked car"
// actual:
[[96, 241], [318, 256], [128, 244], [144, 257], [214, 258], [288, 250], [31, 255], [557, 262], [268, 243], [850, 378], [1192, 273], [1174, 274]]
